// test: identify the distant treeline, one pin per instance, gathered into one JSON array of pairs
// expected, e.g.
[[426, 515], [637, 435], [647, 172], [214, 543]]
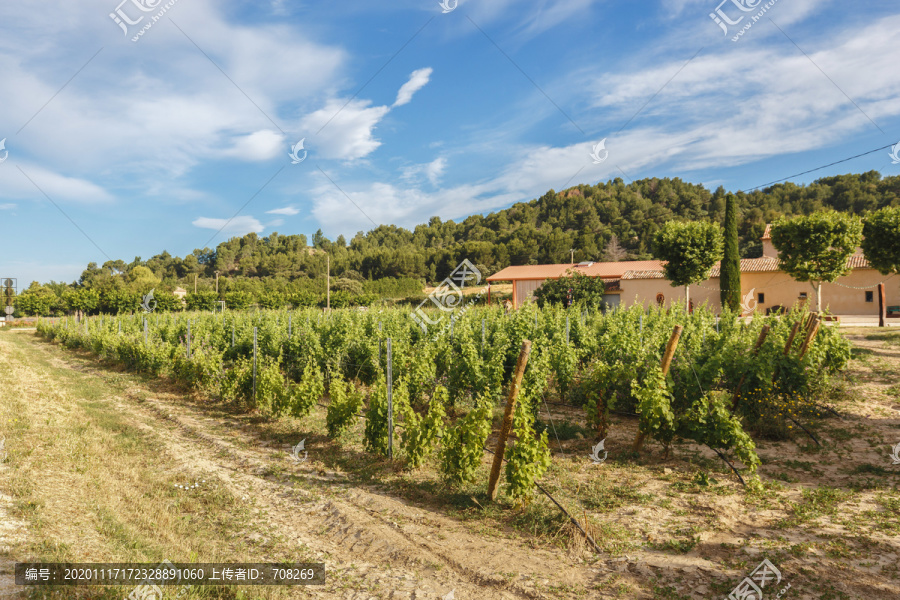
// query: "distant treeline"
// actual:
[[607, 221]]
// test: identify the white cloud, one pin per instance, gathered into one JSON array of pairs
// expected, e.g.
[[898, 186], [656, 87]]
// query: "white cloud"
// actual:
[[168, 108], [8, 206], [257, 146], [59, 187], [417, 80], [274, 223], [432, 171], [238, 226], [347, 129], [735, 108], [287, 210]]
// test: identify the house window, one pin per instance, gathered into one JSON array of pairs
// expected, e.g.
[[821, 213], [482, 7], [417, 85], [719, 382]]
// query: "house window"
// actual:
[[803, 295], [761, 298], [870, 296]]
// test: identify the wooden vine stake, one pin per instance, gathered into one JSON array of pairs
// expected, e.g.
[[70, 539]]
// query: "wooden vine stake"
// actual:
[[764, 332], [508, 418], [790, 342], [810, 336], [671, 347]]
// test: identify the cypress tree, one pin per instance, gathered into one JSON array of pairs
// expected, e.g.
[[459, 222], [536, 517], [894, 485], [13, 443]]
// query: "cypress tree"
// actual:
[[730, 276]]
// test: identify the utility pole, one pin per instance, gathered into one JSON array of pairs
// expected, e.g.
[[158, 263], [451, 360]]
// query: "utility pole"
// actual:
[[195, 283], [217, 282], [328, 282]]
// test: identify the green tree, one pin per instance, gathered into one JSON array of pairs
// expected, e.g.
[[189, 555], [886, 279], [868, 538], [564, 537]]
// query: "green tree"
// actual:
[[202, 300], [272, 299], [37, 300], [730, 275], [690, 250], [573, 288], [142, 278], [82, 299], [816, 247], [166, 300], [881, 239], [238, 300]]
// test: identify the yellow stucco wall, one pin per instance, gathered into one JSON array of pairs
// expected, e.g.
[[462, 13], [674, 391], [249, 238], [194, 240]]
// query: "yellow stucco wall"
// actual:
[[779, 289], [839, 298], [644, 291]]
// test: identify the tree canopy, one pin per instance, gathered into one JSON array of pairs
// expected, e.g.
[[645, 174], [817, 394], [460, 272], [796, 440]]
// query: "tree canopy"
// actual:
[[881, 240], [816, 247], [572, 288]]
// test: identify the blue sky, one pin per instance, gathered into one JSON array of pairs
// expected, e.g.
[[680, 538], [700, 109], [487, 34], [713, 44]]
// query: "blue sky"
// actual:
[[120, 148]]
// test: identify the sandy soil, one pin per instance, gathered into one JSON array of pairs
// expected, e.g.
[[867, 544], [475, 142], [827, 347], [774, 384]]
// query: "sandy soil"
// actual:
[[820, 516]]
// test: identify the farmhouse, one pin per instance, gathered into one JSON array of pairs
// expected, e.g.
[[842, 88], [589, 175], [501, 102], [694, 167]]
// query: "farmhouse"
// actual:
[[764, 286]]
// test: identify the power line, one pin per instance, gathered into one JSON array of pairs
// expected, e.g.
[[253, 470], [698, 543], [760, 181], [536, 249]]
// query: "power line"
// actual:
[[818, 168]]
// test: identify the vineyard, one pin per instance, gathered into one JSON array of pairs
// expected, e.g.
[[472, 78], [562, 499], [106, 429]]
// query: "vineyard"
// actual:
[[433, 397]]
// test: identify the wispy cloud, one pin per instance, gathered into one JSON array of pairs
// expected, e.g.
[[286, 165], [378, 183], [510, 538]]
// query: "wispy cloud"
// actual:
[[237, 226], [417, 80], [345, 129], [287, 210], [257, 146]]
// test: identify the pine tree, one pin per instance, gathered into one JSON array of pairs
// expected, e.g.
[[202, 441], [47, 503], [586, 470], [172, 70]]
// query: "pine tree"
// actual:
[[730, 276]]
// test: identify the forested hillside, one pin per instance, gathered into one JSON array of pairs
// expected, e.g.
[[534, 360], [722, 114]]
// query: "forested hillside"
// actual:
[[607, 221]]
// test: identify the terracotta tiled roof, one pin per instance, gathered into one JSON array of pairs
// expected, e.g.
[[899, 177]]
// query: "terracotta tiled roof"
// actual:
[[649, 274], [748, 265], [529, 272], [605, 270], [753, 265]]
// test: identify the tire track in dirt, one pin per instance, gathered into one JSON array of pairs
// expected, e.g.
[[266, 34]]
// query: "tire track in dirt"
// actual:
[[395, 550]]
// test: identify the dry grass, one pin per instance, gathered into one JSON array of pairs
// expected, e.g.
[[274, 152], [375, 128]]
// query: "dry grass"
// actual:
[[94, 480]]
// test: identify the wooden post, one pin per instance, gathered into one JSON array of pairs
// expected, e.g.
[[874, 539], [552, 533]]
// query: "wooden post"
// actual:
[[666, 363], [764, 332], [328, 282], [390, 400], [508, 418], [790, 342], [881, 313], [254, 366], [813, 330]]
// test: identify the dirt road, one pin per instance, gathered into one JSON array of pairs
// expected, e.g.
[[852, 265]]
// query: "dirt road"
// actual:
[[97, 454]]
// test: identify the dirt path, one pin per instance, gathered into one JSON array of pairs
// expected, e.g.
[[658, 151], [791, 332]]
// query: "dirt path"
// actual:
[[374, 545]]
